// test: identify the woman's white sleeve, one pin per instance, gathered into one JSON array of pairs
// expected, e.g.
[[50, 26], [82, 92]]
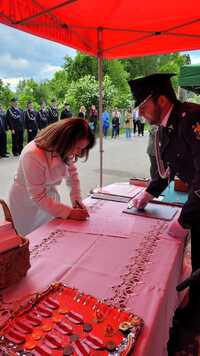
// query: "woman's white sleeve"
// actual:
[[75, 193], [35, 180]]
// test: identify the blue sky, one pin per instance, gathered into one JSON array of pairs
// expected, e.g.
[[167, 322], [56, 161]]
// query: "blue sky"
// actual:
[[23, 56]]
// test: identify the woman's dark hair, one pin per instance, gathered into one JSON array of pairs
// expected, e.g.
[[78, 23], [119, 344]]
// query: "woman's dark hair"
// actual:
[[61, 136]]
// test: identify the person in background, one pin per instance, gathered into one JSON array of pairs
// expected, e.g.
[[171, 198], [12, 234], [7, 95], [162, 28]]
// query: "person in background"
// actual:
[[136, 122], [42, 116], [115, 124], [30, 121], [93, 118], [3, 133], [66, 112], [82, 112], [177, 154], [15, 120], [44, 162], [105, 123], [53, 112], [128, 122], [116, 114], [151, 150], [141, 125]]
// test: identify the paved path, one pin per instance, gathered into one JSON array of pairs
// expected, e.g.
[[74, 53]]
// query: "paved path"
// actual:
[[122, 160]]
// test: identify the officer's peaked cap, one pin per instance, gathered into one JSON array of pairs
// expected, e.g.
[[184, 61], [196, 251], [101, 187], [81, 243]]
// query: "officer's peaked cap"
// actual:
[[155, 84], [14, 99]]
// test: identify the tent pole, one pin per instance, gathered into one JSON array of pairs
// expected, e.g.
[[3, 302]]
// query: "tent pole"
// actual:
[[100, 79]]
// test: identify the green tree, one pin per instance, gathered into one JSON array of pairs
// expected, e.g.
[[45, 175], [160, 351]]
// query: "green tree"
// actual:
[[31, 90], [85, 91], [147, 65], [5, 94], [58, 86], [80, 66]]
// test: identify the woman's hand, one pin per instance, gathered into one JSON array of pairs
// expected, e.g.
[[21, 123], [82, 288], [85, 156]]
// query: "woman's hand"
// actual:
[[78, 214], [79, 204]]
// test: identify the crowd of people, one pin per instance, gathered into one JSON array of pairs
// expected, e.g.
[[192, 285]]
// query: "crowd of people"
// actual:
[[133, 123], [19, 121], [31, 121]]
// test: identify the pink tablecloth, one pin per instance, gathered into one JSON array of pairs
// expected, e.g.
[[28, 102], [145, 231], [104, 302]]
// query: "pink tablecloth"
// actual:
[[127, 260]]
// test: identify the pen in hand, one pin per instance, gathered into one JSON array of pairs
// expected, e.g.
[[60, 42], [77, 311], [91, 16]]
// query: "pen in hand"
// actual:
[[80, 206]]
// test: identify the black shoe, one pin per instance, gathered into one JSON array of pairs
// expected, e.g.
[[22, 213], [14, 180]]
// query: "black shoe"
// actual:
[[5, 155]]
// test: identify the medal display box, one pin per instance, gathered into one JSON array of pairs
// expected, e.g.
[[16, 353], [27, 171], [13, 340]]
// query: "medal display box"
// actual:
[[63, 321]]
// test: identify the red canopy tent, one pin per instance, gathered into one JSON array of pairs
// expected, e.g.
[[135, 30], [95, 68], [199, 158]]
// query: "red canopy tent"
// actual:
[[109, 29]]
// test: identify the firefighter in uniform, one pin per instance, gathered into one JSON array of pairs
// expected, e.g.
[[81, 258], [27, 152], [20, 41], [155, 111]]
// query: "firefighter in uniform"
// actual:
[[66, 112], [30, 121], [14, 117], [178, 154], [53, 112], [3, 133], [42, 117]]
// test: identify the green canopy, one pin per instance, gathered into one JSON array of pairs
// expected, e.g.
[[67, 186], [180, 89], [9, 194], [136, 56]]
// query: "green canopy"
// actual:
[[189, 77]]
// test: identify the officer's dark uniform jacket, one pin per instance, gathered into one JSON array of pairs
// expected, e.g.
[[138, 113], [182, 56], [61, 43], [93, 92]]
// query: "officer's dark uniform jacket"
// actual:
[[65, 114], [3, 122], [53, 115], [179, 145], [42, 119], [30, 120], [3, 135], [15, 119]]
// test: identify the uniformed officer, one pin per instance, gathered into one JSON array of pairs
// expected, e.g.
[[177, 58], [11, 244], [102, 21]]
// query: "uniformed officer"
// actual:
[[42, 116], [14, 117], [66, 112], [30, 121], [177, 153], [53, 112], [3, 133]]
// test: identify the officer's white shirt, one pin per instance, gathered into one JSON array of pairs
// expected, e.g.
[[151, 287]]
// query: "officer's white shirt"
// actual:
[[166, 117]]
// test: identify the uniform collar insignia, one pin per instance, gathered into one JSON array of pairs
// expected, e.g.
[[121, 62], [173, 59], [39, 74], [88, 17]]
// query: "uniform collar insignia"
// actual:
[[170, 128]]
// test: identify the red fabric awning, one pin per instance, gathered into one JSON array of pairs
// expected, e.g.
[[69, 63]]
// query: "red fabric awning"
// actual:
[[127, 28]]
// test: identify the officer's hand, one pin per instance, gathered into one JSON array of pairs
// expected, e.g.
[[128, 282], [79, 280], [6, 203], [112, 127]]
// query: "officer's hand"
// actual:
[[78, 214], [141, 200], [13, 132], [176, 230]]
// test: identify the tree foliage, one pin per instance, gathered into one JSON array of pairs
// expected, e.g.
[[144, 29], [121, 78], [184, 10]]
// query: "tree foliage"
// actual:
[[85, 91], [5, 94], [77, 82]]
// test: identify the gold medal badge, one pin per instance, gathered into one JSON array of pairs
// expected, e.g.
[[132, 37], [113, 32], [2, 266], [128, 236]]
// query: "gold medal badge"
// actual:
[[196, 129]]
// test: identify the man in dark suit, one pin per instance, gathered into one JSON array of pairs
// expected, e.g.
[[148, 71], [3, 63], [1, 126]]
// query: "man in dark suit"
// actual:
[[15, 120], [53, 114], [3, 133], [42, 116], [66, 112], [177, 154], [30, 121]]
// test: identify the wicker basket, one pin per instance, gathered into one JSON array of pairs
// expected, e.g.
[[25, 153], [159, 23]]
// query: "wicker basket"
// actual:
[[15, 262]]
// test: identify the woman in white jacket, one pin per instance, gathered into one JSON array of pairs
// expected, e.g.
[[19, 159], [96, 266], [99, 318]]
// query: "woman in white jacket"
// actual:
[[43, 163]]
